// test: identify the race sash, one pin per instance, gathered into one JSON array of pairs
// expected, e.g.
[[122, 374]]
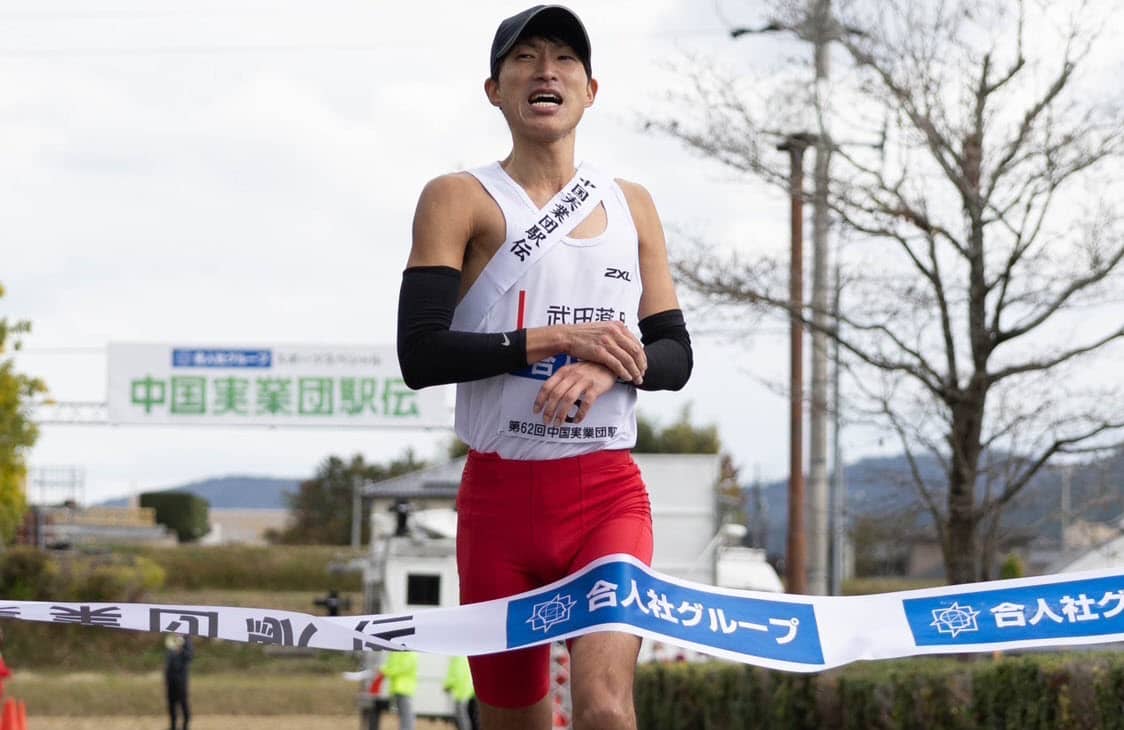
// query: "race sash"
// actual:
[[618, 593], [539, 231]]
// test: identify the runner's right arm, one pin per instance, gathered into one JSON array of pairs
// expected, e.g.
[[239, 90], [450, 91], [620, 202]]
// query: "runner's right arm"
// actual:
[[430, 353]]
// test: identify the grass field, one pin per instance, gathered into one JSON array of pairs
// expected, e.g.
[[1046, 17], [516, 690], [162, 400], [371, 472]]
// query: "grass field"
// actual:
[[221, 722], [92, 701], [133, 695]]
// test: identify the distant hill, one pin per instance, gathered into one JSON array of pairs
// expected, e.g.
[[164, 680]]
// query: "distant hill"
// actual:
[[882, 487], [234, 492]]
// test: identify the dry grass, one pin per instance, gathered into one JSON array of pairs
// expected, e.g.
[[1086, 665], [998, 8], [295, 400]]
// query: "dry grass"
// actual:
[[254, 567], [279, 600], [89, 694]]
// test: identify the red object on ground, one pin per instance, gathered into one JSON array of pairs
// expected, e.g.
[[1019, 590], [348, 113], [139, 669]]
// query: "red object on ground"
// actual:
[[4, 674], [10, 718]]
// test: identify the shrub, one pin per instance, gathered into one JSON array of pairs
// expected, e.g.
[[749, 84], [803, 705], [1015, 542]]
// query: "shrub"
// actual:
[[1077, 691], [28, 574], [31, 574], [118, 579], [1012, 567], [185, 513]]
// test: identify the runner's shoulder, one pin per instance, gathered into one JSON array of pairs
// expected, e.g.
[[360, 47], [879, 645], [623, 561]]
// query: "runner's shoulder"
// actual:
[[452, 188], [639, 200]]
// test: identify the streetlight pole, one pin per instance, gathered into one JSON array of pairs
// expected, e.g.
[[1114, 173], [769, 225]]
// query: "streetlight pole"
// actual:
[[819, 28], [795, 559], [820, 22]]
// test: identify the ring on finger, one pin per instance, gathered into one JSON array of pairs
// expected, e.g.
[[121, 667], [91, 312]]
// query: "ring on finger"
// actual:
[[577, 409]]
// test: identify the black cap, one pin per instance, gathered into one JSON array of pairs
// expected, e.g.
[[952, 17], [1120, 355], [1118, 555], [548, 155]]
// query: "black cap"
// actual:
[[549, 20]]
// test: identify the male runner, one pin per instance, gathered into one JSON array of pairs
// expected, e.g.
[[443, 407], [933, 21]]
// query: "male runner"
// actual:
[[524, 284]]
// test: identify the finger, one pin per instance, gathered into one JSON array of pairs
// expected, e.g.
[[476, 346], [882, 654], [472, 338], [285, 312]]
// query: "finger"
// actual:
[[547, 395], [566, 403], [641, 358], [615, 363], [584, 405], [635, 370], [540, 398], [635, 350], [552, 394], [618, 357], [632, 354], [570, 408]]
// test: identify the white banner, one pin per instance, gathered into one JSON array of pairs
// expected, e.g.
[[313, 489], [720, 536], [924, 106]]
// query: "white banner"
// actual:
[[617, 593], [268, 385]]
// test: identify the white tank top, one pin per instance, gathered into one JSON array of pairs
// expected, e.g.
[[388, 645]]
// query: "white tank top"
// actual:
[[577, 280]]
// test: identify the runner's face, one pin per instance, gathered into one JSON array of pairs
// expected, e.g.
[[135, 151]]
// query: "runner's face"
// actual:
[[542, 89]]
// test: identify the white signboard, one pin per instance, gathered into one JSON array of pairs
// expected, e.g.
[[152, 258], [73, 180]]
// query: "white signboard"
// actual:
[[270, 385]]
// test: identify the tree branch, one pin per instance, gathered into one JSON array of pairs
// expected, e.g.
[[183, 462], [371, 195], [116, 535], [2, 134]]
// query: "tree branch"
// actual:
[[1047, 364]]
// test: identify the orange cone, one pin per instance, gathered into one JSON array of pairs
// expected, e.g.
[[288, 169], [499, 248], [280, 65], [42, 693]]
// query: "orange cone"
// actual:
[[21, 715], [9, 720]]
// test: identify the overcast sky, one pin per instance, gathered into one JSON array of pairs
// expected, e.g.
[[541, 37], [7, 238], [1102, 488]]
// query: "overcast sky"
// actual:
[[244, 172]]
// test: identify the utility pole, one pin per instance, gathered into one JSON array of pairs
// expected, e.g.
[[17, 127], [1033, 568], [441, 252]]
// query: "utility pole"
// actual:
[[356, 511], [838, 485], [1067, 505], [820, 26], [795, 560]]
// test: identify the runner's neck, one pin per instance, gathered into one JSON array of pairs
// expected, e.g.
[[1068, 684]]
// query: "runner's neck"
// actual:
[[542, 171]]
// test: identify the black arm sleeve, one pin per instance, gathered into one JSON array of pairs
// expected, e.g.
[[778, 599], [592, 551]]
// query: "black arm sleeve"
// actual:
[[429, 353], [668, 347]]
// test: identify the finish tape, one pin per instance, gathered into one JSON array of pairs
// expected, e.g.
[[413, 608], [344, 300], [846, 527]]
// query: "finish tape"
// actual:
[[619, 593]]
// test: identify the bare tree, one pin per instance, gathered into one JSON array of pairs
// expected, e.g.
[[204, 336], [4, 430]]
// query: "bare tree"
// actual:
[[984, 251]]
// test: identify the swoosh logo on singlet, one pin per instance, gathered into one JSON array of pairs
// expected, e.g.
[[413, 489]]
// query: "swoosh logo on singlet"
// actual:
[[506, 342]]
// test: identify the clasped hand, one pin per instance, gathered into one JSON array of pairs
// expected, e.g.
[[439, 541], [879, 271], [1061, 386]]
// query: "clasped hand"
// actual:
[[578, 385], [610, 344]]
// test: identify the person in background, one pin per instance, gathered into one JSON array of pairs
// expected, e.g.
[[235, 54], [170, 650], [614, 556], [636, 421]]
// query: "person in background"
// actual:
[[458, 683], [332, 603], [401, 669], [177, 656]]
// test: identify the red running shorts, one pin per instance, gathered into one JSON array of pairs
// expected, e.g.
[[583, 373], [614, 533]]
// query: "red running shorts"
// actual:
[[523, 524]]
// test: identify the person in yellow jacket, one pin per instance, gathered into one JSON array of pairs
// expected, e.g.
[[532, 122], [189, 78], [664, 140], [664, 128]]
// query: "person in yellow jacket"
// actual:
[[458, 683], [401, 669]]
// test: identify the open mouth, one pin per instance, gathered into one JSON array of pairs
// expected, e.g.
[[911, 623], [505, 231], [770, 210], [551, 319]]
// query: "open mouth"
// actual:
[[545, 100]]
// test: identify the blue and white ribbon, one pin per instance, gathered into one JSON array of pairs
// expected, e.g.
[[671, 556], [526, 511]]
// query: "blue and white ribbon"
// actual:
[[618, 593]]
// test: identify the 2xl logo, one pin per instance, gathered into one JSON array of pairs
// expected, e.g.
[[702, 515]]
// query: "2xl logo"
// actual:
[[611, 273]]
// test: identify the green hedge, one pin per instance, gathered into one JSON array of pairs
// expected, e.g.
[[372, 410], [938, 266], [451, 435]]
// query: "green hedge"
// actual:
[[1074, 691], [187, 514]]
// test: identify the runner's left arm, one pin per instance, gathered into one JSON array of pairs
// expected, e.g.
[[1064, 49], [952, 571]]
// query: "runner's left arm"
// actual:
[[663, 329]]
